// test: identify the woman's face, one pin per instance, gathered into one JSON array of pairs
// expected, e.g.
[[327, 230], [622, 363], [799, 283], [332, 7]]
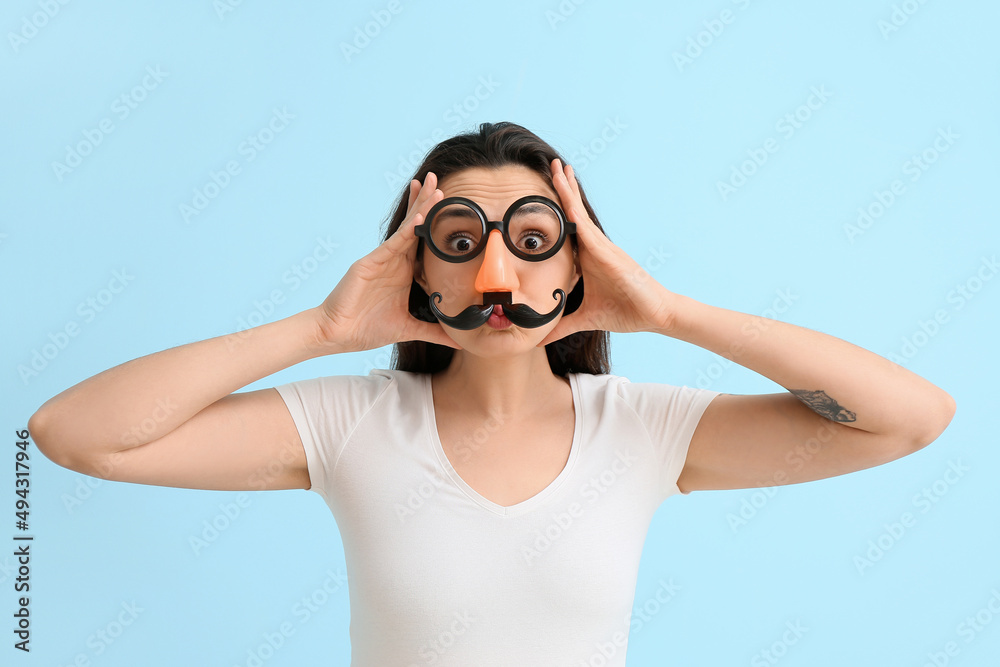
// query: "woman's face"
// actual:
[[530, 283]]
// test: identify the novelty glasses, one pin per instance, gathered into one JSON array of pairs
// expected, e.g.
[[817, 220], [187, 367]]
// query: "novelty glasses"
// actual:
[[534, 228]]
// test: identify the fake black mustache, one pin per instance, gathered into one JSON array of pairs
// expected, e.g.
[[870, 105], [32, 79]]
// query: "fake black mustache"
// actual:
[[520, 314]]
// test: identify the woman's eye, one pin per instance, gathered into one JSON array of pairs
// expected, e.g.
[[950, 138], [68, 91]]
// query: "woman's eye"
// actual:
[[534, 241], [460, 243]]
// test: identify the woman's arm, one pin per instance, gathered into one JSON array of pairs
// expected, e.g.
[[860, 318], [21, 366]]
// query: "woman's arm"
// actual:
[[835, 379], [848, 409], [180, 400], [172, 419]]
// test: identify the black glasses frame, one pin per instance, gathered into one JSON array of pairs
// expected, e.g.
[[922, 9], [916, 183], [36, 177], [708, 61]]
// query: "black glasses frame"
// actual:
[[566, 227]]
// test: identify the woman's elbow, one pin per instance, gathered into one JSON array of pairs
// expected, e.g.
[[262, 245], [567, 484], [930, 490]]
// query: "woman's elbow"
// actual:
[[39, 428], [938, 420]]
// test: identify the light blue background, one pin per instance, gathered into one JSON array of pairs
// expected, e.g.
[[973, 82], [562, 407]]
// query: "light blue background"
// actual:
[[681, 129]]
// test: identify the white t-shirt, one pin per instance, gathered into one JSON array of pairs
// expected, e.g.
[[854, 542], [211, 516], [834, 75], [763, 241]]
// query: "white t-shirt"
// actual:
[[438, 574]]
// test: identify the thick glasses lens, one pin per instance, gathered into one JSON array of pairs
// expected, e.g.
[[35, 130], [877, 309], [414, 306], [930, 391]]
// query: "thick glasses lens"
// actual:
[[457, 230], [534, 228]]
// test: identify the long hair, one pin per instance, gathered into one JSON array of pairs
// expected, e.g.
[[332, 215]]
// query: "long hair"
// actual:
[[495, 145]]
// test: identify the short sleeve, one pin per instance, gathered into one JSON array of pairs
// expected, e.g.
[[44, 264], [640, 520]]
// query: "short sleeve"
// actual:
[[670, 415], [326, 411]]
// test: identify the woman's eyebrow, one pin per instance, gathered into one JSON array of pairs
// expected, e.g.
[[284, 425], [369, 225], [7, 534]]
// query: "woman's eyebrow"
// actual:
[[457, 212], [533, 207]]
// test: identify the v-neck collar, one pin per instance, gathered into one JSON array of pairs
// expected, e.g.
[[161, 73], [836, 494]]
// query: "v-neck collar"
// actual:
[[486, 503]]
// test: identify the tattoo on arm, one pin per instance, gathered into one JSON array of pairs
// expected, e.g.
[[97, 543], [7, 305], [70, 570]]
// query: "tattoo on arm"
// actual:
[[823, 405]]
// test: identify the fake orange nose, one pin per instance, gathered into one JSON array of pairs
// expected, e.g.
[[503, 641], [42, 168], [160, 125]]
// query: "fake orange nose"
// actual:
[[497, 272]]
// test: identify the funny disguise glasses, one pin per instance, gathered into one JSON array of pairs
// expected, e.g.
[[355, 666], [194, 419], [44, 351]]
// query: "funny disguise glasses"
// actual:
[[534, 228]]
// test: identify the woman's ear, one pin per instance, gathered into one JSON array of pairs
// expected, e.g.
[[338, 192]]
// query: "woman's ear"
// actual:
[[418, 271], [575, 282], [576, 264]]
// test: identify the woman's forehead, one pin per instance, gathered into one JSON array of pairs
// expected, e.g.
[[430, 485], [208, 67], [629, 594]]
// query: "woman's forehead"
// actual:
[[505, 183]]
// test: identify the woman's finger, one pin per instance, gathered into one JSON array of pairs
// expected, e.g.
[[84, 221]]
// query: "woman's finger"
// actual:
[[414, 189], [571, 200], [564, 190], [571, 178], [417, 189], [569, 191], [427, 196]]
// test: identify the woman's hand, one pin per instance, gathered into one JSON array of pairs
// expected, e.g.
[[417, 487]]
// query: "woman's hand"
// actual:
[[369, 307], [618, 294]]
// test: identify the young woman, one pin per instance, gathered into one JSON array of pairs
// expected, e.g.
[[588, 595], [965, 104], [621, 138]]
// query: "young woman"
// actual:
[[495, 487]]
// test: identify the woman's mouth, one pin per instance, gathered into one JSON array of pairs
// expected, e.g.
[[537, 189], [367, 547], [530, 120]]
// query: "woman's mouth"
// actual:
[[498, 311], [497, 319]]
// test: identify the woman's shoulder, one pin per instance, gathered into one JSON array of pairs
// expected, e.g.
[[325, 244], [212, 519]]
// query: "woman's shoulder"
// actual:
[[625, 388], [592, 380], [359, 388]]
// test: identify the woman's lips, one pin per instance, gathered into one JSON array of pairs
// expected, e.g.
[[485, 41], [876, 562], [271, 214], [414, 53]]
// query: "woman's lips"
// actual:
[[497, 319]]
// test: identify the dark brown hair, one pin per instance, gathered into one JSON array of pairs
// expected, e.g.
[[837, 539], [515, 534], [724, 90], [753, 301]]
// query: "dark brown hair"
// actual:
[[495, 145]]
